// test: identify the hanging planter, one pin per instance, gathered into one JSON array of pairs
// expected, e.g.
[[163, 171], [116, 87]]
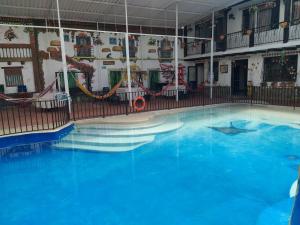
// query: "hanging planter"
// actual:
[[284, 24]]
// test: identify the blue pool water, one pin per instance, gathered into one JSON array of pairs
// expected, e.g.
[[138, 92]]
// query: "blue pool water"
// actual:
[[228, 166]]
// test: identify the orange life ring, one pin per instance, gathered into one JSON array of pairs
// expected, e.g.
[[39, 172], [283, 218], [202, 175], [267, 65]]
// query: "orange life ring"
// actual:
[[141, 107]]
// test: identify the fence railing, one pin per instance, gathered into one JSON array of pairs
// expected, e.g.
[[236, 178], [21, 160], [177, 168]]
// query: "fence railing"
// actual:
[[47, 115], [21, 117], [249, 38], [268, 34], [237, 40], [84, 107]]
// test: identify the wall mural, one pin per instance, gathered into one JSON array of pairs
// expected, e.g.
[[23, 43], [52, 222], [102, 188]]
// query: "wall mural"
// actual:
[[10, 34], [88, 71], [165, 51]]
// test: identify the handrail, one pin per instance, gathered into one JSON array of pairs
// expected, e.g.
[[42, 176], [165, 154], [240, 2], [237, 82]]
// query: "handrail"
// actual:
[[295, 217]]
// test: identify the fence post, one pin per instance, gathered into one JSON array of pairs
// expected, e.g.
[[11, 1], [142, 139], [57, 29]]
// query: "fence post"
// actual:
[[231, 99], [251, 93], [103, 110], [73, 109], [203, 93], [126, 105], [295, 89]]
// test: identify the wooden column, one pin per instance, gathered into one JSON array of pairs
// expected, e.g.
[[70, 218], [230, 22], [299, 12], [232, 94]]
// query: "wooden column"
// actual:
[[38, 73], [287, 18]]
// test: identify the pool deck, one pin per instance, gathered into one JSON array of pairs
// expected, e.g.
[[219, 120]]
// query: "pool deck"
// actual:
[[282, 112]]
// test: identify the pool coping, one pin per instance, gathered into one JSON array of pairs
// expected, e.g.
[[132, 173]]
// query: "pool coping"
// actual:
[[58, 129]]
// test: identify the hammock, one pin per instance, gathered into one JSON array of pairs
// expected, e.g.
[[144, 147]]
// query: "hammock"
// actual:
[[90, 94], [152, 93], [27, 100]]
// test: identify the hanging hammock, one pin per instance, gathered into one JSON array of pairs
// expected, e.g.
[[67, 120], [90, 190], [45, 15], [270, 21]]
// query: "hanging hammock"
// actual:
[[90, 94], [152, 93], [27, 100]]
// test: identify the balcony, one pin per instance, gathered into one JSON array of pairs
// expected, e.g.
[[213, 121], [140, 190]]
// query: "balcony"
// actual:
[[247, 39], [294, 31], [199, 47], [237, 40], [266, 35], [15, 52]]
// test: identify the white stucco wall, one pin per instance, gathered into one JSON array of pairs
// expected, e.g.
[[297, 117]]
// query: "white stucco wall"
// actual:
[[236, 24], [101, 74], [27, 71]]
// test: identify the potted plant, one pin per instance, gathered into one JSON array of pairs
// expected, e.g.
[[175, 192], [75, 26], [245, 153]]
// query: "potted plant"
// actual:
[[284, 24], [249, 32]]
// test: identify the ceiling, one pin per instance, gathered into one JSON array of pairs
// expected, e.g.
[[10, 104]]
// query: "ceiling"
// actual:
[[159, 13]]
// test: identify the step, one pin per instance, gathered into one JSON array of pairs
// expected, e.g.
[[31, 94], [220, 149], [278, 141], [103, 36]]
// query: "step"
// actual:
[[121, 126], [78, 139], [86, 147], [167, 127]]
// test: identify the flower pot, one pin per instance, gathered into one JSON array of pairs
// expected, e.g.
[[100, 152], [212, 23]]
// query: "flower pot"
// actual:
[[284, 24], [249, 32]]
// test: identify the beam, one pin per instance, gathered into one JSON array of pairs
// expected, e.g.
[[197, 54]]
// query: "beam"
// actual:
[[138, 7], [83, 12], [128, 56], [212, 54], [63, 56], [176, 53]]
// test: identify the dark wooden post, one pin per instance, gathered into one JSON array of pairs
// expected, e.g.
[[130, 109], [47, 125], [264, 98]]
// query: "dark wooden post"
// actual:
[[287, 16], [38, 74]]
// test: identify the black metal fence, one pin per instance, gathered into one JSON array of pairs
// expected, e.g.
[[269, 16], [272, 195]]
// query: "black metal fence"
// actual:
[[21, 117], [48, 115], [85, 107]]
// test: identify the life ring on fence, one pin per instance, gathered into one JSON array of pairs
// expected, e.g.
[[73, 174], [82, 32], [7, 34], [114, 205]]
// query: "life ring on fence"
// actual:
[[136, 105]]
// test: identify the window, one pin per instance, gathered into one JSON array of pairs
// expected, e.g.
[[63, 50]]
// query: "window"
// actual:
[[264, 19], [83, 46], [296, 12], [13, 76], [203, 30], [248, 20], [279, 69], [265, 16]]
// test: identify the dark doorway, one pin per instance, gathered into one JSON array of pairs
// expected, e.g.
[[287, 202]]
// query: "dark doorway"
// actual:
[[192, 77], [239, 77], [200, 73]]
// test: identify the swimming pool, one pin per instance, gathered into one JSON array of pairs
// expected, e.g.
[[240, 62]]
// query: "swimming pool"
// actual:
[[223, 165]]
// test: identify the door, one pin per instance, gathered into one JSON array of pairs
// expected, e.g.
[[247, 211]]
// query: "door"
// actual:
[[200, 73], [154, 80], [239, 77], [192, 77], [114, 78]]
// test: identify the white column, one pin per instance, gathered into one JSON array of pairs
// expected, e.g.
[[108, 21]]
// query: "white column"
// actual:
[[212, 54], [63, 55], [176, 52], [128, 56]]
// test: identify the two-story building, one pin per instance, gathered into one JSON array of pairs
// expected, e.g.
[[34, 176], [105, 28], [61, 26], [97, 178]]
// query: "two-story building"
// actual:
[[255, 43]]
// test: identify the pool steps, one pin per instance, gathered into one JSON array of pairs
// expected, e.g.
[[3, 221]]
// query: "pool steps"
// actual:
[[115, 138], [106, 132]]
